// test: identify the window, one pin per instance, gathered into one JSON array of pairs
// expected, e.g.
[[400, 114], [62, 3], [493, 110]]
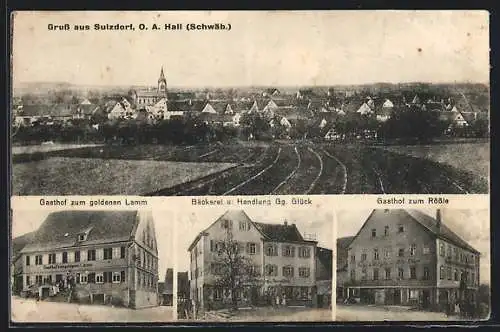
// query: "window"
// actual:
[[353, 258], [38, 260], [374, 232], [82, 237], [401, 273], [304, 272], [91, 278], [413, 250], [122, 252], [375, 274], [455, 253], [252, 248], [304, 252], [448, 252], [99, 278], [426, 273], [364, 273], [226, 224], [116, 277], [386, 230], [401, 229], [77, 256], [28, 281], [217, 293], [288, 251], [271, 250], [27, 260], [65, 257], [456, 275], [83, 278], [91, 255], [401, 252], [108, 253], [426, 250], [353, 274], [441, 249], [39, 279], [287, 271], [473, 278], [387, 273], [441, 272], [413, 272], [375, 254], [52, 258], [363, 257], [244, 226], [387, 252], [271, 270], [413, 294]]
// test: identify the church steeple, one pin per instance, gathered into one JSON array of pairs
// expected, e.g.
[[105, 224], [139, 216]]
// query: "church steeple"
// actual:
[[162, 84]]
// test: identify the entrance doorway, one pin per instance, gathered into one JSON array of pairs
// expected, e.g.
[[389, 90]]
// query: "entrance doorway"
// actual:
[[426, 298], [397, 297], [98, 299]]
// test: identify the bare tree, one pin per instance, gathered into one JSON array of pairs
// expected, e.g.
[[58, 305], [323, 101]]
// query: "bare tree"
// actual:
[[234, 271]]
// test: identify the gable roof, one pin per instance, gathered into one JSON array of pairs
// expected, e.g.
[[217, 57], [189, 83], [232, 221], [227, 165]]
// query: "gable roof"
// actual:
[[429, 223], [60, 229]]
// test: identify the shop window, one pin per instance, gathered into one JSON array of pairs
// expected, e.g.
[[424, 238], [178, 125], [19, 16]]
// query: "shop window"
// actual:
[[413, 294]]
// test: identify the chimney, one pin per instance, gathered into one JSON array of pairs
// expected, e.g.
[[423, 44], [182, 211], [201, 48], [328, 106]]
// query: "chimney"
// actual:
[[438, 219]]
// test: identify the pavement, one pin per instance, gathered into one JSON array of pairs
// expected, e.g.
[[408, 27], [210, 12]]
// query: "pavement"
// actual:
[[272, 314], [31, 311], [387, 313]]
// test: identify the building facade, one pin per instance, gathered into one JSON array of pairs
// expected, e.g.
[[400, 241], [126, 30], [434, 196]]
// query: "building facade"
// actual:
[[283, 261], [100, 256], [405, 257]]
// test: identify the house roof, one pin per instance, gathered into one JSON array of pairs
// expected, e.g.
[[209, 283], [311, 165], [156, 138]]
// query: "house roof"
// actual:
[[273, 232], [60, 229], [442, 232]]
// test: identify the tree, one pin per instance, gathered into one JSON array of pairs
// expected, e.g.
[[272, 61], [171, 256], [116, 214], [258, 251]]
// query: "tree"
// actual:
[[234, 271]]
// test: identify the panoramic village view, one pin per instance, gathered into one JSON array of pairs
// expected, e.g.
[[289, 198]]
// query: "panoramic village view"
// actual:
[[375, 139]]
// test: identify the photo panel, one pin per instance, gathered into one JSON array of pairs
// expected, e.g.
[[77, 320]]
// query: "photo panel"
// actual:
[[252, 264], [92, 266], [413, 264]]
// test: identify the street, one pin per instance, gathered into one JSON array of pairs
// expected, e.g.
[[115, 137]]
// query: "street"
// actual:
[[31, 311], [389, 313]]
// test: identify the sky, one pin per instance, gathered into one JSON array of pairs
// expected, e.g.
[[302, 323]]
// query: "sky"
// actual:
[[317, 221], [266, 48], [471, 225], [24, 221]]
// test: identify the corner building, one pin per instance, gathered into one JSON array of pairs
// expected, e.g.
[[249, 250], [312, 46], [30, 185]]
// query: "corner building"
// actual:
[[283, 259], [405, 257], [105, 256]]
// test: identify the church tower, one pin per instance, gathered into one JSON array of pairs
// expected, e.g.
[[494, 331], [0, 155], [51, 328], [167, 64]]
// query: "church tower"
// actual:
[[162, 85]]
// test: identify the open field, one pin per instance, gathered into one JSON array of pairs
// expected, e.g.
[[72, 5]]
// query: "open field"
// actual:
[[250, 168], [93, 176], [48, 147], [31, 311], [472, 157]]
